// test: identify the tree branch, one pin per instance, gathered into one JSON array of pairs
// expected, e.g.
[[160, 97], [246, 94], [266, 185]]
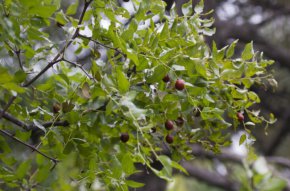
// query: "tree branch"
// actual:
[[55, 161], [61, 52], [29, 127]]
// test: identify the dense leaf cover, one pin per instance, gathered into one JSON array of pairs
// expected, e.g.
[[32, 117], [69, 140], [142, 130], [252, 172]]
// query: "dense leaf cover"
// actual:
[[96, 117]]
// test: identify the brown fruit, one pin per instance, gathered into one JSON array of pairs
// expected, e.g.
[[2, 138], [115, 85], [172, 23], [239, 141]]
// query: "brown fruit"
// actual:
[[179, 84], [169, 125], [240, 117], [124, 137], [166, 78], [179, 121], [56, 108], [169, 139]]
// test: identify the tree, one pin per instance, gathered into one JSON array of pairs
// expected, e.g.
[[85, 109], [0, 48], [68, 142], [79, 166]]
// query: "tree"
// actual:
[[114, 89]]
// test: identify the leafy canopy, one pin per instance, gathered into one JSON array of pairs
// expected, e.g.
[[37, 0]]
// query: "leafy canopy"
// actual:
[[79, 107]]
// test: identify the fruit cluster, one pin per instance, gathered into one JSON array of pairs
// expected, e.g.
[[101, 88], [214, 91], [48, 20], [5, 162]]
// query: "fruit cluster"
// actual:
[[169, 124]]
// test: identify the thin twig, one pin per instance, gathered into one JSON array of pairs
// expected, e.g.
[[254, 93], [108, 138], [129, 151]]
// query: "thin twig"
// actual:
[[7, 106], [29, 146], [17, 52], [81, 67], [101, 44]]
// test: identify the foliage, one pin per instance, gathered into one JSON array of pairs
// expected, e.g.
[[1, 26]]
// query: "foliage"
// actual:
[[81, 107]]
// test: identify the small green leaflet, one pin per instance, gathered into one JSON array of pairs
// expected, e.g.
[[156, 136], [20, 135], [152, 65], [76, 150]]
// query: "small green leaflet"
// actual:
[[248, 52], [123, 83], [242, 139]]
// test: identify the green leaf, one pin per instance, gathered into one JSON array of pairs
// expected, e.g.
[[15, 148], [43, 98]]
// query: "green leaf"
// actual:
[[199, 7], [132, 56], [128, 164], [14, 87], [43, 11], [231, 49], [159, 72], [242, 139], [165, 32], [42, 173], [200, 68], [166, 162], [5, 76], [187, 8], [254, 97], [72, 9], [86, 91], [122, 81], [248, 52], [19, 76], [134, 184], [60, 17], [179, 167], [23, 169]]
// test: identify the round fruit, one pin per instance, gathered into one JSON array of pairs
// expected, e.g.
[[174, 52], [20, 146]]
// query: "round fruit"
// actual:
[[55, 108], [169, 125], [179, 84], [179, 121], [169, 139], [124, 137], [166, 78], [240, 117]]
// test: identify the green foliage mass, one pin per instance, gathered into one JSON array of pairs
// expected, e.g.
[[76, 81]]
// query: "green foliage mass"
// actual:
[[100, 98]]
